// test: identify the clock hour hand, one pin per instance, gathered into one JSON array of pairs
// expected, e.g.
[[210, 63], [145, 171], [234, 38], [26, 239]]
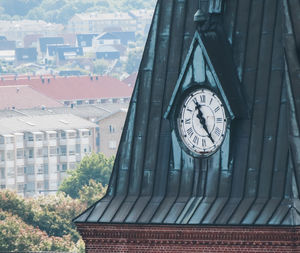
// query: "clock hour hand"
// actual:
[[203, 121]]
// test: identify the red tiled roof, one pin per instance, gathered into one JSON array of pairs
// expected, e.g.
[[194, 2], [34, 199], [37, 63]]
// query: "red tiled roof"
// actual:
[[22, 97], [74, 88]]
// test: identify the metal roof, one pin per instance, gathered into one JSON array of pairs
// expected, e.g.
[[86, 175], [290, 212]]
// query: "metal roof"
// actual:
[[254, 179], [13, 125]]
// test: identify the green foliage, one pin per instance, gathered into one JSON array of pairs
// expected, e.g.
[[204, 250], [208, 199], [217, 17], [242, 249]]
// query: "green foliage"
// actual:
[[16, 235], [100, 66], [94, 166], [92, 192], [51, 214], [42, 224], [60, 11], [18, 7]]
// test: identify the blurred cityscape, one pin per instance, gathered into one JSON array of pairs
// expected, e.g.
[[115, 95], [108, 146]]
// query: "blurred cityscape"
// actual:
[[64, 93]]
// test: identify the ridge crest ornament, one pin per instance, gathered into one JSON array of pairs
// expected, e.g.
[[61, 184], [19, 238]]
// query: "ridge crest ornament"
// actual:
[[200, 121]]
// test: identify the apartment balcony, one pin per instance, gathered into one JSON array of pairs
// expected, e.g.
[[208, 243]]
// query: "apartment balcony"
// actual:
[[29, 144], [78, 157], [10, 180], [19, 144], [20, 179], [50, 143], [9, 164], [52, 159], [2, 163], [39, 160], [20, 162], [39, 177], [72, 158], [83, 140], [9, 146], [63, 141], [38, 144], [31, 177], [63, 158], [30, 160]]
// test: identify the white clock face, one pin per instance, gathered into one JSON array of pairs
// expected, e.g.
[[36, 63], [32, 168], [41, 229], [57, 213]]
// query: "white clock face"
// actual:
[[202, 122]]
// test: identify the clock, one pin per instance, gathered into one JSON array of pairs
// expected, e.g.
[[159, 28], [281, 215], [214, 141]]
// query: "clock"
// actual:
[[201, 122]]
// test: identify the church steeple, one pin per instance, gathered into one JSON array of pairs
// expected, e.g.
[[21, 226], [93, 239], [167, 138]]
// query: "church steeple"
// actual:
[[243, 52]]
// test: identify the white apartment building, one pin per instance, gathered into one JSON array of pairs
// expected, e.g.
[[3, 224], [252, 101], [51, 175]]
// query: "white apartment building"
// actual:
[[36, 151]]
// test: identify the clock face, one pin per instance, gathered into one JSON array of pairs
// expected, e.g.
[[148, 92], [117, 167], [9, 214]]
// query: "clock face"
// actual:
[[202, 122]]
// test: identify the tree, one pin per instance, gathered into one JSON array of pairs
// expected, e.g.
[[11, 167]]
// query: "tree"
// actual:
[[16, 235], [18, 7], [92, 192], [94, 166], [100, 66], [43, 224], [51, 214]]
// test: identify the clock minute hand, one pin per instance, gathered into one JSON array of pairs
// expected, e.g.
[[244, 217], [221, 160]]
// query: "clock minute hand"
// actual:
[[203, 121]]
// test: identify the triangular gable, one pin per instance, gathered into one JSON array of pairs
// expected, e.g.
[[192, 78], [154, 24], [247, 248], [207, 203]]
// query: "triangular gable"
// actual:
[[205, 63]]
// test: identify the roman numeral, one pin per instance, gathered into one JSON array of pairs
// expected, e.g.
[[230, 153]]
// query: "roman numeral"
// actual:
[[219, 120], [190, 132], [202, 98], [210, 101], [188, 121], [189, 110], [218, 131], [217, 109], [196, 140], [203, 143], [195, 100]]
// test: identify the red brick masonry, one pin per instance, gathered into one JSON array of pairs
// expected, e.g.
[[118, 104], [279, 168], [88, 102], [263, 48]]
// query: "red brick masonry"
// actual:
[[162, 238]]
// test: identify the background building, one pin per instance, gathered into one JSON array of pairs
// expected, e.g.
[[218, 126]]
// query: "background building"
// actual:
[[36, 151]]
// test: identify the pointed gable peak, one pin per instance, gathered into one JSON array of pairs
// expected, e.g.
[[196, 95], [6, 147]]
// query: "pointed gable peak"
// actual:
[[208, 65]]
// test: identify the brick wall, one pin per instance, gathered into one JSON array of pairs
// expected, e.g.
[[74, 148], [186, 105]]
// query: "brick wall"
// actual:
[[150, 239]]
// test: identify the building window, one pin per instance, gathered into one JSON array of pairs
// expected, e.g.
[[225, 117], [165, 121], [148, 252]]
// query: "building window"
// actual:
[[10, 155], [39, 152], [39, 185], [78, 150], [111, 129], [39, 137], [2, 156], [29, 170], [9, 140], [40, 169], [46, 168], [30, 153], [30, 187], [11, 172], [1, 140], [63, 150], [20, 171], [2, 186], [53, 151], [20, 187], [52, 136], [112, 144], [2, 173], [45, 152], [64, 167], [46, 185], [20, 153], [63, 135]]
